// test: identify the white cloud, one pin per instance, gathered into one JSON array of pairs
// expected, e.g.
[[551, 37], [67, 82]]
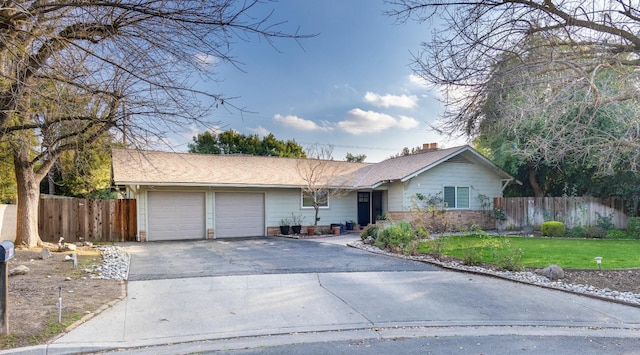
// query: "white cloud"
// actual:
[[205, 59], [359, 121], [260, 131], [389, 100], [417, 80], [301, 123]]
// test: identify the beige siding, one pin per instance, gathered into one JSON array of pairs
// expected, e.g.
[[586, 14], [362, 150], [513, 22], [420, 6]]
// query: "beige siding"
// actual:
[[480, 180], [396, 196]]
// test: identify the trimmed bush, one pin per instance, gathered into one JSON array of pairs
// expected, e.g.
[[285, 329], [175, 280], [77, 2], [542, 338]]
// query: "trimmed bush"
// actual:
[[553, 229], [633, 227]]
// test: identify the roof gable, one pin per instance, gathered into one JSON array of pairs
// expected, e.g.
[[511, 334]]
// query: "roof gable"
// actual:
[[406, 167]]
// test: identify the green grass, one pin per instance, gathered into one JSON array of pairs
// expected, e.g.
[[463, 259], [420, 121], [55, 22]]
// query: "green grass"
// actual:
[[541, 252]]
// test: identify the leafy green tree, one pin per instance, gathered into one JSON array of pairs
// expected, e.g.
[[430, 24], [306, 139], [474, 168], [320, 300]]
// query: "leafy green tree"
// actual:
[[8, 189], [529, 132], [406, 151], [570, 69], [84, 173], [355, 158], [232, 142]]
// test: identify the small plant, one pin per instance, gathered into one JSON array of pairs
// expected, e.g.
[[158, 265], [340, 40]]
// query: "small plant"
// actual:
[[370, 231], [382, 217], [507, 257], [429, 214], [633, 227], [475, 231], [553, 229], [617, 234], [297, 219], [499, 214], [396, 237], [285, 222], [472, 256], [595, 232], [576, 232], [604, 222], [437, 246]]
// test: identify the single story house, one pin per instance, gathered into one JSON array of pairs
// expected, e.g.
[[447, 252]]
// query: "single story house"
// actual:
[[199, 196]]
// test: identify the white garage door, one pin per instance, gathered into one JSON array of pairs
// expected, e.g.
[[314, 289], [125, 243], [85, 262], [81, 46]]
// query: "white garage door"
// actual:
[[239, 215], [176, 215]]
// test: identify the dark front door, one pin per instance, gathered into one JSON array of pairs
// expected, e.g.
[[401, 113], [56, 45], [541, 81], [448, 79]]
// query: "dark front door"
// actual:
[[364, 208]]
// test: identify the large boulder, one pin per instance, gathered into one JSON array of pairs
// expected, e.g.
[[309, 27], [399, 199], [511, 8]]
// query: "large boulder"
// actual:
[[552, 272]]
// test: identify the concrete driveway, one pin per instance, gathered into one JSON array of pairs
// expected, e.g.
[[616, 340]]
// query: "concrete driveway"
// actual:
[[254, 292], [255, 256]]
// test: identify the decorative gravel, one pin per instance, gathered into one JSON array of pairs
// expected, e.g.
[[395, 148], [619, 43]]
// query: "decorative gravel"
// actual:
[[525, 277], [115, 263]]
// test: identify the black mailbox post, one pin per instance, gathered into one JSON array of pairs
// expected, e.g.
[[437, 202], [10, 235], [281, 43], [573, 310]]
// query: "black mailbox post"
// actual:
[[7, 252]]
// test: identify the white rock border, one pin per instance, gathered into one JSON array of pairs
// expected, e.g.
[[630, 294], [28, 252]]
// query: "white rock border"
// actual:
[[628, 298]]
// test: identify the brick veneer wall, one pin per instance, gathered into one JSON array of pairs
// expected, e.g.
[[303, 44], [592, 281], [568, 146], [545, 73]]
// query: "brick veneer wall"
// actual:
[[319, 230], [456, 219]]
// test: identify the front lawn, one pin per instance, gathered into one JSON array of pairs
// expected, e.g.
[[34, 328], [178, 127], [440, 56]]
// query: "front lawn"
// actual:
[[541, 252]]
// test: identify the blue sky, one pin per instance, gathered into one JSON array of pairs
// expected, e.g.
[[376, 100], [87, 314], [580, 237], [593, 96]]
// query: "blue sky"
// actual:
[[350, 86]]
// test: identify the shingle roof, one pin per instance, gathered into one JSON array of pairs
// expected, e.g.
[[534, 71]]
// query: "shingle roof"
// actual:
[[404, 167], [166, 168]]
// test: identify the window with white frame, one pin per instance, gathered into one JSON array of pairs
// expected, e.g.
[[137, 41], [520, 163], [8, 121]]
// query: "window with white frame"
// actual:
[[322, 198], [457, 196]]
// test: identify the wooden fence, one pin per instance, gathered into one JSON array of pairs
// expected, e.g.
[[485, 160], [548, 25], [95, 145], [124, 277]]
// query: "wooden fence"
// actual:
[[76, 219], [572, 211]]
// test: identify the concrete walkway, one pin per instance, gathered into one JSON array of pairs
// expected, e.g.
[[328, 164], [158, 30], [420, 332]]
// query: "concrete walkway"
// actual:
[[258, 310]]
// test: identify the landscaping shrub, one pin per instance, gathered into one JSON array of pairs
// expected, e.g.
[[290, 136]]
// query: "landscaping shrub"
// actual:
[[507, 257], [617, 234], [595, 232], [472, 256], [553, 229], [576, 232], [604, 222], [370, 231], [633, 227], [475, 231], [396, 237]]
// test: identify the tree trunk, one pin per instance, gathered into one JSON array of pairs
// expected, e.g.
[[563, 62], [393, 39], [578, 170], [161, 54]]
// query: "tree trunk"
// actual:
[[28, 199], [317, 208], [537, 191]]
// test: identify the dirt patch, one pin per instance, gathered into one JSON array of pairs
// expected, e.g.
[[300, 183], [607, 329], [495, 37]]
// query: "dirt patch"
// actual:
[[616, 280], [33, 298]]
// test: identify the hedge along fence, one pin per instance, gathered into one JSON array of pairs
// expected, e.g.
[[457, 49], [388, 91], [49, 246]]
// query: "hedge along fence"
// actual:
[[572, 211]]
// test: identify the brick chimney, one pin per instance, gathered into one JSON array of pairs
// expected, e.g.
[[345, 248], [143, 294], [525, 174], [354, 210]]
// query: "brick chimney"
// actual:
[[427, 147]]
